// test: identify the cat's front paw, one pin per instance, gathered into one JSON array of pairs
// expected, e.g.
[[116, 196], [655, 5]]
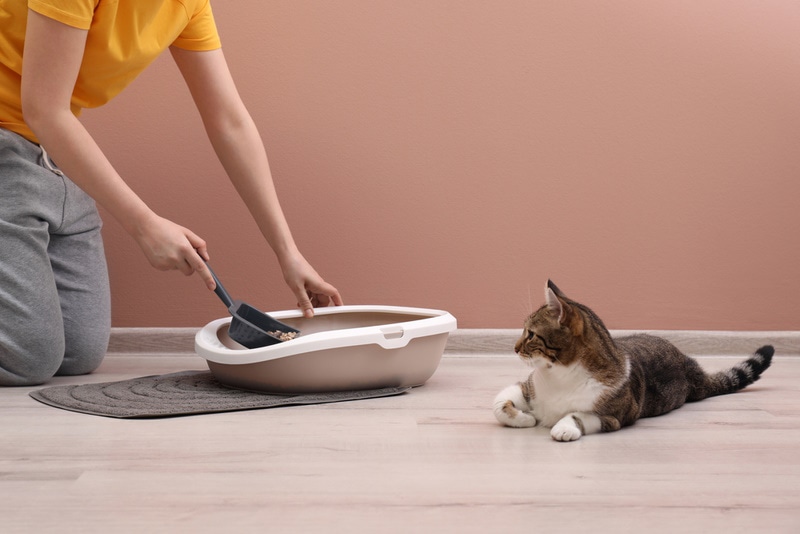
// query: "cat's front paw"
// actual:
[[510, 415], [566, 430], [507, 412]]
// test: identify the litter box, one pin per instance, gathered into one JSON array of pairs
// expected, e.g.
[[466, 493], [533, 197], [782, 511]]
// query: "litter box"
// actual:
[[341, 348]]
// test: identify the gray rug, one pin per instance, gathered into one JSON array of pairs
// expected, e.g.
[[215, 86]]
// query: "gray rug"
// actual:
[[183, 393]]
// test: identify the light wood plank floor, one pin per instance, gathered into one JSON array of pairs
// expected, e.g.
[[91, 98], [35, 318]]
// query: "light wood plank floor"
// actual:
[[432, 460]]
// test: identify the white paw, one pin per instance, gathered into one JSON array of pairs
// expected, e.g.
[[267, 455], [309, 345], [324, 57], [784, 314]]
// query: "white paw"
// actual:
[[566, 430], [507, 412], [509, 415]]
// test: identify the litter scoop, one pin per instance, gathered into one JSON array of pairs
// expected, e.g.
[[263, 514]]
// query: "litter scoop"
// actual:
[[250, 326]]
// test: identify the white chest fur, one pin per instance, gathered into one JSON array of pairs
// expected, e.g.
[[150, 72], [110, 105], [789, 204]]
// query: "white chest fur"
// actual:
[[562, 390]]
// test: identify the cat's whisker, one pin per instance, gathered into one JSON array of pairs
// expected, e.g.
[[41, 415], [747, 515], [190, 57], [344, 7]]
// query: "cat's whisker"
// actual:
[[526, 308]]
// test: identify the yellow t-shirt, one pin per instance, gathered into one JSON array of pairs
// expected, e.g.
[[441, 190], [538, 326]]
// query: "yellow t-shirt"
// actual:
[[124, 36]]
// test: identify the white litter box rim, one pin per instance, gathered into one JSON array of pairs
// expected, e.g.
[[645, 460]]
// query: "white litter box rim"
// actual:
[[388, 336]]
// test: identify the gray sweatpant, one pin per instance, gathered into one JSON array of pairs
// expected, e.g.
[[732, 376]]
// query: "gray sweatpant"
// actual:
[[54, 294]]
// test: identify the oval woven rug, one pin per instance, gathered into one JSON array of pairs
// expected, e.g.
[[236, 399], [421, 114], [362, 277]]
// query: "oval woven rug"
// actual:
[[182, 393]]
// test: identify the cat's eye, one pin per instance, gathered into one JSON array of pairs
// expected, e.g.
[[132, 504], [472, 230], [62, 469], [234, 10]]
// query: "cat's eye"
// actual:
[[531, 335]]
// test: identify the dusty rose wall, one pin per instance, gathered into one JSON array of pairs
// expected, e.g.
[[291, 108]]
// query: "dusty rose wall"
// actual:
[[457, 154]]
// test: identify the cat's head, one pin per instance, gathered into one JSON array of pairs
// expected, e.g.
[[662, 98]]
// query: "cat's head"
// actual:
[[555, 334]]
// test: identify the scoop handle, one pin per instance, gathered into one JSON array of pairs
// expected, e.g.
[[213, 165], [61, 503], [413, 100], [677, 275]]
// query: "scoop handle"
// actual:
[[220, 289]]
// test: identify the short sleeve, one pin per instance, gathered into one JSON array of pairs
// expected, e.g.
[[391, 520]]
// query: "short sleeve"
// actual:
[[201, 32], [75, 13]]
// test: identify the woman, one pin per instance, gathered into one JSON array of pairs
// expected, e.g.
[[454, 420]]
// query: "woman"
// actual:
[[54, 296]]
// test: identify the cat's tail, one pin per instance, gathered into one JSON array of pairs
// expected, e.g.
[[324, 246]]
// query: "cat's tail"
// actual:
[[738, 377]]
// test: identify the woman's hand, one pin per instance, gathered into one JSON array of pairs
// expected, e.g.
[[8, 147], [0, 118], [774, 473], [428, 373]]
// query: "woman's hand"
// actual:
[[169, 246], [309, 288]]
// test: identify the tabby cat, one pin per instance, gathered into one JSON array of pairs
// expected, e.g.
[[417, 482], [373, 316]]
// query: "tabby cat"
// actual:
[[583, 381]]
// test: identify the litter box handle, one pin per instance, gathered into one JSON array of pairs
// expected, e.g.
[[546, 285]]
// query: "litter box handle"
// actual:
[[392, 337]]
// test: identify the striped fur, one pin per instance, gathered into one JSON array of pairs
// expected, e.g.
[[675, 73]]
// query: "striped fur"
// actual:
[[584, 381]]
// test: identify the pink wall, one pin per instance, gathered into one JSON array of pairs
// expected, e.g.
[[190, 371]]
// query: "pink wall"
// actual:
[[457, 154]]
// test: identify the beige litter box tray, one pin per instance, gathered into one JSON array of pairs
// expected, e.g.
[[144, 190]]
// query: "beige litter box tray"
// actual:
[[341, 348]]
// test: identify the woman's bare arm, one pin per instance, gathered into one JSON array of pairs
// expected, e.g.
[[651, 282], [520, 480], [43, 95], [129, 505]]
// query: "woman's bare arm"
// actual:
[[52, 58], [240, 149]]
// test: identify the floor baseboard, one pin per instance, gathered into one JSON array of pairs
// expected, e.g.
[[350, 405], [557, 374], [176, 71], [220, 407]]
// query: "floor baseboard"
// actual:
[[147, 340], [469, 341]]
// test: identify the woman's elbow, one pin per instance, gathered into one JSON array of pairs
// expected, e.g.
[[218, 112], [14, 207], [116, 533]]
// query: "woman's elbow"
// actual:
[[40, 114]]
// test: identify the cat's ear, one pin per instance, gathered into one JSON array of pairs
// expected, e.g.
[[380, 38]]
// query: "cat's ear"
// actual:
[[558, 292], [556, 306]]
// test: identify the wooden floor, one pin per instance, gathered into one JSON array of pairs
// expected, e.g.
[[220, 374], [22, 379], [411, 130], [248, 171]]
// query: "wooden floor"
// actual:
[[432, 460]]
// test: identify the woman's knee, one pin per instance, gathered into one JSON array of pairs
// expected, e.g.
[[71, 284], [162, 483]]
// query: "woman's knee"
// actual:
[[30, 360], [34, 358], [85, 350]]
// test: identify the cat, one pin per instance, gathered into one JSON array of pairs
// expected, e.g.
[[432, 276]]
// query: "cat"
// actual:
[[583, 381]]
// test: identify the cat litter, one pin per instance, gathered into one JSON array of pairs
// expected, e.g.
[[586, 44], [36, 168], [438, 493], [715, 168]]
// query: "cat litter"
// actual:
[[341, 348]]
